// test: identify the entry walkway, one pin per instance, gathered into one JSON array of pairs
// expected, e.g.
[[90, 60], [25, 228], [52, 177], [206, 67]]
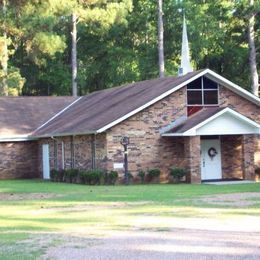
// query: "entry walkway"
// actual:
[[228, 182]]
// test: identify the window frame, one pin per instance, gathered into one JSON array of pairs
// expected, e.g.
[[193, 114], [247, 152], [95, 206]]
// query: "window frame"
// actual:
[[202, 89]]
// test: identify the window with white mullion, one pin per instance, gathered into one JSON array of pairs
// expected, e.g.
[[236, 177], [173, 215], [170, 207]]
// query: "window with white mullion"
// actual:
[[202, 92]]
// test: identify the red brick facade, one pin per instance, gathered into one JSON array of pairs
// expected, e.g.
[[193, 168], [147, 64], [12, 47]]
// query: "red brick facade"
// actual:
[[19, 160]]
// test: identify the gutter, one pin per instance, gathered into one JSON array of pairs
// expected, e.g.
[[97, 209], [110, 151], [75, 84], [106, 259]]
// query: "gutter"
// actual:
[[18, 138], [63, 134]]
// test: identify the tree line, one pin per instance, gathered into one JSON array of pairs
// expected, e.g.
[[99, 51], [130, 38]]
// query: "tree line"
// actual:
[[48, 45]]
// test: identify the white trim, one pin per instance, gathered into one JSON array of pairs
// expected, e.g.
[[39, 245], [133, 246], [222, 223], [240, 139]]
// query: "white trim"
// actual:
[[169, 134], [238, 90], [65, 134], [207, 72], [59, 113], [165, 94], [45, 161], [17, 138], [192, 131]]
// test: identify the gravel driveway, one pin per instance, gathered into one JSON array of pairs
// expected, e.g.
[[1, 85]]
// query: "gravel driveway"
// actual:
[[177, 244], [201, 237]]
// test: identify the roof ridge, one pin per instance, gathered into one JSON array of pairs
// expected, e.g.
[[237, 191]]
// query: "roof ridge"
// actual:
[[56, 115]]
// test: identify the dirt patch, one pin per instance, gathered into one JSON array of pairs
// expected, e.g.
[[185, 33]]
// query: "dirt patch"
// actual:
[[26, 196], [235, 199], [177, 244]]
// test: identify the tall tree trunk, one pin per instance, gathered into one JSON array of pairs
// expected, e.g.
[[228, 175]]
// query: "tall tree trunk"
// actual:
[[4, 61], [74, 55], [252, 52], [160, 39]]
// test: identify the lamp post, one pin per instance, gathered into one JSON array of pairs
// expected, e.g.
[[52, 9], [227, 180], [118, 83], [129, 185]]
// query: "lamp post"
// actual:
[[125, 142]]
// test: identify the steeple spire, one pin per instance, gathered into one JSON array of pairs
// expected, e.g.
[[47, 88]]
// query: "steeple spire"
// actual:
[[185, 53]]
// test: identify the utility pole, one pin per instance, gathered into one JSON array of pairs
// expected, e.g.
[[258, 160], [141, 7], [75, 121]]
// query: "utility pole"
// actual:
[[160, 39], [74, 55]]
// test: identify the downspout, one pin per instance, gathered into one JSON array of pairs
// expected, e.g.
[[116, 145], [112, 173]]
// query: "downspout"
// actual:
[[55, 145], [62, 156], [72, 164], [93, 152]]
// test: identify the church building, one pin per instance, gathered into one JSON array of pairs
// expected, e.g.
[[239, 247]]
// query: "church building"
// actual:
[[198, 120]]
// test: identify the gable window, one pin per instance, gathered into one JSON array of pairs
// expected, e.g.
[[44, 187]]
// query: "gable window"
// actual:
[[201, 93]]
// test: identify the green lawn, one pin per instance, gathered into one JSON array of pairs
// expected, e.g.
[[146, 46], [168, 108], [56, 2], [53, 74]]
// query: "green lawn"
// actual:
[[31, 211]]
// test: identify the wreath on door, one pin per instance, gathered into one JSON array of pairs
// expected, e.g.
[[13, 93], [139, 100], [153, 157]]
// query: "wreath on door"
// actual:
[[212, 152]]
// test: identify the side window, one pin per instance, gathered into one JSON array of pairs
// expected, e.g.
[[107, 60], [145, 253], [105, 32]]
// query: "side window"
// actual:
[[201, 93]]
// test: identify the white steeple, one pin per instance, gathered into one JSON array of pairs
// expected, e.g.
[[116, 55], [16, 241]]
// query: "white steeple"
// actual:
[[185, 53]]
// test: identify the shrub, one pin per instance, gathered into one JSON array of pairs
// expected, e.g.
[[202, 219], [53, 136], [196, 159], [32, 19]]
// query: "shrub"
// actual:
[[141, 175], [112, 177], [54, 174], [83, 177], [130, 177], [257, 170], [153, 174], [177, 173], [91, 177], [62, 175], [71, 175]]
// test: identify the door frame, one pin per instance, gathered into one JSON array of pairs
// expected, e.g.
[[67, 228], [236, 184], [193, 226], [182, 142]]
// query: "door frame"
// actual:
[[217, 138], [45, 162]]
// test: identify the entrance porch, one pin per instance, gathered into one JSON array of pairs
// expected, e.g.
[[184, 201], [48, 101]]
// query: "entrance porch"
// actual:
[[219, 144]]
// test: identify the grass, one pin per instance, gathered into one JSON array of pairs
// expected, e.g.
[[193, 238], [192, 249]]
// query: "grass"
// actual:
[[73, 211]]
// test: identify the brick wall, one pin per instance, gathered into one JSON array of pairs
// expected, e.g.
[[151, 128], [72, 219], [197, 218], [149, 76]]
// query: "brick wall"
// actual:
[[232, 156], [18, 160], [147, 148], [239, 104], [77, 151], [248, 109]]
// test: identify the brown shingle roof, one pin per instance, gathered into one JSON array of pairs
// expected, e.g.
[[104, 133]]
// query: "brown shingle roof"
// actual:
[[22, 115], [194, 120], [100, 108]]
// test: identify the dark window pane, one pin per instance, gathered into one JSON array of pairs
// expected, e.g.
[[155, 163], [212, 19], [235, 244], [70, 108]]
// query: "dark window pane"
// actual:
[[209, 84], [196, 84], [194, 97], [211, 97]]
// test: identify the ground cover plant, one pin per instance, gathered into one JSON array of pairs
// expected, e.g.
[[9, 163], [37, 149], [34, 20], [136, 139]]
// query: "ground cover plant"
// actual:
[[38, 219]]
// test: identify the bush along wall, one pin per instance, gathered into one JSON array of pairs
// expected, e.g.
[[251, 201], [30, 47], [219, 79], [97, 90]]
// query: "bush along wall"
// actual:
[[88, 177], [153, 175], [177, 174]]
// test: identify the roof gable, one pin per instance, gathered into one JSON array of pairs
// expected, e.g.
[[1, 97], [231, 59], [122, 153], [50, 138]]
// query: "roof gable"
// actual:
[[215, 121]]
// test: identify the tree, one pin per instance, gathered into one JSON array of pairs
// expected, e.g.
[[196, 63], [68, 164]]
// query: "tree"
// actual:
[[117, 42], [252, 51], [4, 51], [74, 54], [160, 39]]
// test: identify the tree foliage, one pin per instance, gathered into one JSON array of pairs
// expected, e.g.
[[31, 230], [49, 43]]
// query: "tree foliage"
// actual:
[[117, 42]]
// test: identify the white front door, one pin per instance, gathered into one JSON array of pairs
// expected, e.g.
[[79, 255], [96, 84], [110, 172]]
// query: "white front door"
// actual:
[[210, 159], [45, 162]]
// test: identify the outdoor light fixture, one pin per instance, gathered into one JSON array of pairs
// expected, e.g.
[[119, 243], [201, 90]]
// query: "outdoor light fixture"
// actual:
[[125, 142]]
